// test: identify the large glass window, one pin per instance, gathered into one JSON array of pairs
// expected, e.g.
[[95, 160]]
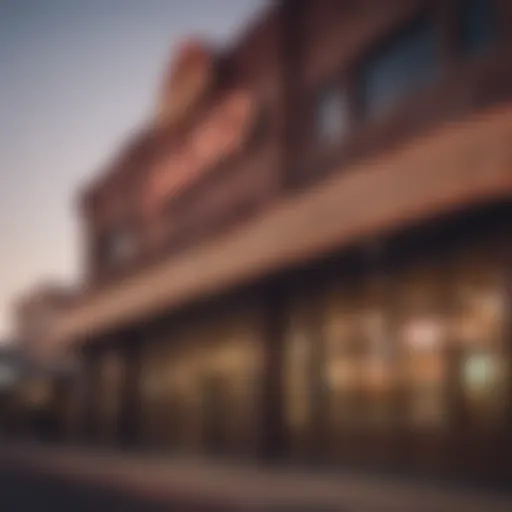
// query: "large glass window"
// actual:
[[304, 379], [481, 307], [478, 25], [341, 346], [205, 397], [377, 362], [399, 68], [360, 358], [421, 325], [232, 373]]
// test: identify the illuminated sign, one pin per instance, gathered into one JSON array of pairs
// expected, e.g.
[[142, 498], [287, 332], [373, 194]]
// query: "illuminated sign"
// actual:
[[219, 136]]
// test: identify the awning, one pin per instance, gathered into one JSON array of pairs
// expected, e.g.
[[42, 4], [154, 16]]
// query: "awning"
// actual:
[[456, 166]]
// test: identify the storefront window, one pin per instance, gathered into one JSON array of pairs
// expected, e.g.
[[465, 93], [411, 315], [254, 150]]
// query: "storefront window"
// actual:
[[376, 356], [342, 373], [206, 393], [480, 334], [421, 329], [359, 359], [480, 373]]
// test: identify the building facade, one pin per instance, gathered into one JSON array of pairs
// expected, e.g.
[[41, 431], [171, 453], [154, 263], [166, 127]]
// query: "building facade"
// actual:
[[306, 254], [33, 315], [37, 397]]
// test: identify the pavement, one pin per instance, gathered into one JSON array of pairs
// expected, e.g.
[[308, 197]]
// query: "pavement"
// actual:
[[120, 482]]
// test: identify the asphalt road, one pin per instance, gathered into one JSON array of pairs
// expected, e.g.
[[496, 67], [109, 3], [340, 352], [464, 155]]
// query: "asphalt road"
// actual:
[[22, 491], [25, 491]]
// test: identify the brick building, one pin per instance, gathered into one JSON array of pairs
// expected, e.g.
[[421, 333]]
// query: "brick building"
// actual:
[[306, 254]]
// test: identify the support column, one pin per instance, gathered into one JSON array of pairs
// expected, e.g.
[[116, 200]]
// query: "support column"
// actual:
[[74, 413], [60, 400], [91, 383], [273, 438], [130, 393]]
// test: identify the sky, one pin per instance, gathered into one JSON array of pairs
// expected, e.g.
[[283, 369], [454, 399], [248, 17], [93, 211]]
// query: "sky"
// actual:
[[75, 78]]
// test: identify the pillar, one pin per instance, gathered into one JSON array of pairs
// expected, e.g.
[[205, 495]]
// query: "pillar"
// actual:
[[130, 392], [273, 435]]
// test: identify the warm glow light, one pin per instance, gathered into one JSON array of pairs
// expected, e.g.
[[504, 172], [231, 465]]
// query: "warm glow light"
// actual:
[[373, 323], [484, 312], [480, 372], [424, 333], [340, 374]]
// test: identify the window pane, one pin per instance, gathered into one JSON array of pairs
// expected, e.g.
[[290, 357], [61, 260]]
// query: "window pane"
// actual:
[[331, 114], [478, 25], [121, 246], [400, 68]]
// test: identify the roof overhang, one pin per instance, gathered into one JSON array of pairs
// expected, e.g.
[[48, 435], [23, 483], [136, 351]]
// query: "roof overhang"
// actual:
[[458, 165]]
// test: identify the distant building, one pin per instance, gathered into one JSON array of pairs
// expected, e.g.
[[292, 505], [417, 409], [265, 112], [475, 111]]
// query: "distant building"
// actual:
[[34, 315], [31, 393], [307, 254], [10, 366]]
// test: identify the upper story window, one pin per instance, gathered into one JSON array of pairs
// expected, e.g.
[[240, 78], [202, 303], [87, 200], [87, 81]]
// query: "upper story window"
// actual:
[[478, 25], [120, 246], [399, 68], [331, 113]]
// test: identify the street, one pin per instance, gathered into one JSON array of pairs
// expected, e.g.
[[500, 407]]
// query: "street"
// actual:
[[39, 477], [23, 491]]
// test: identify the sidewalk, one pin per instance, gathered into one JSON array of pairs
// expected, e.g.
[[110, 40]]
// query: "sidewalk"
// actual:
[[222, 486]]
